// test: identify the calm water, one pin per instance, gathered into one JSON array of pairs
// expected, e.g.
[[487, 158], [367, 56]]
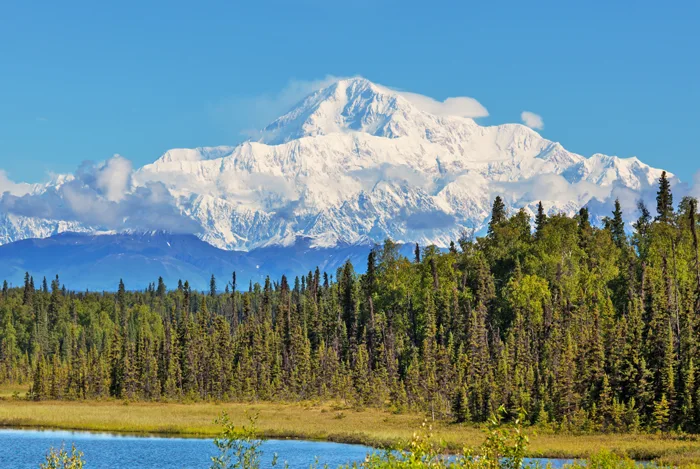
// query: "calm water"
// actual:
[[26, 449], [20, 449]]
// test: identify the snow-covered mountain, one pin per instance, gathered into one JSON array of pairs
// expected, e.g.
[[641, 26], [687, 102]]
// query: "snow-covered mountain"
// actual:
[[358, 162]]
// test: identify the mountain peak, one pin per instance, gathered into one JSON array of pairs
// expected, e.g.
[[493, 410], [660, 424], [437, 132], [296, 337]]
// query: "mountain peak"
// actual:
[[355, 161], [347, 105], [354, 84]]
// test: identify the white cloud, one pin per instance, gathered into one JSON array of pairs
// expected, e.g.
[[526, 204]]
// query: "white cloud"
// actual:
[[532, 120], [390, 173], [14, 188], [113, 179], [461, 106], [250, 114], [548, 187], [295, 91], [102, 197]]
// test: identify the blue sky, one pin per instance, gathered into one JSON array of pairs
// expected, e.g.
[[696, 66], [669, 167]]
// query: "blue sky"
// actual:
[[85, 80]]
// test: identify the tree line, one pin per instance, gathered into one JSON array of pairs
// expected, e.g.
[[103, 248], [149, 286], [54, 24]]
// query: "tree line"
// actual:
[[584, 327]]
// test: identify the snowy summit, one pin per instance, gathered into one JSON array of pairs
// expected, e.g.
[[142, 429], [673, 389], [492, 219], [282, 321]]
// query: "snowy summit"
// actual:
[[357, 162]]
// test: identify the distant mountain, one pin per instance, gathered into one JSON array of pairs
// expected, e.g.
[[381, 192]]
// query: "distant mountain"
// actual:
[[356, 163], [98, 262]]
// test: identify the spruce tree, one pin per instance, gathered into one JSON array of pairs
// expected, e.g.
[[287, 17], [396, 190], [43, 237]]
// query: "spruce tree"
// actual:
[[642, 227], [212, 286], [617, 226], [661, 415], [161, 288], [121, 305], [498, 214], [540, 219], [664, 200], [28, 290], [371, 274], [453, 247], [460, 406], [584, 217]]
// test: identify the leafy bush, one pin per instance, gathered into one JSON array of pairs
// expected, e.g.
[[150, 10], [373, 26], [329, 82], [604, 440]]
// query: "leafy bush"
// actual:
[[61, 459], [503, 448], [239, 448]]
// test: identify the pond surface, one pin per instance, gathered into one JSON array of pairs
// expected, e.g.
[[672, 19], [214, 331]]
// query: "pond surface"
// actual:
[[26, 449], [20, 449]]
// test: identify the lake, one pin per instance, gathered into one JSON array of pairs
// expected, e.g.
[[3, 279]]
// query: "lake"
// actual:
[[20, 449], [26, 449]]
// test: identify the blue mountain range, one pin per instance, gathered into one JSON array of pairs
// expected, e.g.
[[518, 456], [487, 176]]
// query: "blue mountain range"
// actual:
[[98, 262]]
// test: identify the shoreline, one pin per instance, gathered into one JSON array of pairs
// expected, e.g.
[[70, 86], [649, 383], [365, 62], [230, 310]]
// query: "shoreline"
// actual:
[[208, 438], [322, 422], [131, 434], [265, 436]]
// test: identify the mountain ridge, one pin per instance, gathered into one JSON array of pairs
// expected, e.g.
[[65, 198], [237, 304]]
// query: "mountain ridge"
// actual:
[[98, 262], [357, 162]]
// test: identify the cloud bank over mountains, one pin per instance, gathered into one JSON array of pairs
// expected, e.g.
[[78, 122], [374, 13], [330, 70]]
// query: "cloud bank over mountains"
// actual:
[[11, 187], [351, 162], [100, 196]]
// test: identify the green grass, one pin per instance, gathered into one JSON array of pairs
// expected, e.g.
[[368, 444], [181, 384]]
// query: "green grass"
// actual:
[[320, 421]]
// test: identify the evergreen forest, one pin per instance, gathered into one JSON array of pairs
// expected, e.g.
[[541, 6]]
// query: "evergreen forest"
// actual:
[[584, 326]]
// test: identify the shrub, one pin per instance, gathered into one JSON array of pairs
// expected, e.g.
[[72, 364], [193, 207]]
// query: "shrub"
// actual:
[[239, 448], [61, 459]]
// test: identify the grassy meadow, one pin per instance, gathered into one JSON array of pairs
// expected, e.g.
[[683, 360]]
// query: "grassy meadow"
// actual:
[[317, 421]]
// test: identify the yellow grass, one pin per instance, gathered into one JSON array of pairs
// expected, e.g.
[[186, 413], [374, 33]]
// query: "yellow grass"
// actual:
[[7, 391], [318, 421]]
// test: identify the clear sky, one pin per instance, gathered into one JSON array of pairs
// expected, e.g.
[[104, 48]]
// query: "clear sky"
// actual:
[[85, 80]]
